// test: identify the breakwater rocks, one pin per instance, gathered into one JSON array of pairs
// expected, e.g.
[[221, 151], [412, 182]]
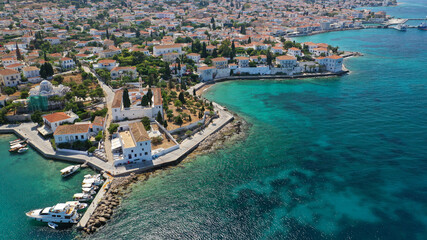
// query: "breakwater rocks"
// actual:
[[105, 208], [234, 131]]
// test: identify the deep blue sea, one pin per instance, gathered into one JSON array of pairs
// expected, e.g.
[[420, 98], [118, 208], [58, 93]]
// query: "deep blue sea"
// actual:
[[327, 158]]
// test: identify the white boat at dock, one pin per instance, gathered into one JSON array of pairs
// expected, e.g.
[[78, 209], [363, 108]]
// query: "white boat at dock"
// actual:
[[93, 181], [400, 27], [60, 213], [88, 185], [22, 150], [82, 197], [17, 141], [16, 147], [69, 170]]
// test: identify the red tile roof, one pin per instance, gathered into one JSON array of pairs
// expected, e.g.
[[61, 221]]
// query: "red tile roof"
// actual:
[[55, 117]]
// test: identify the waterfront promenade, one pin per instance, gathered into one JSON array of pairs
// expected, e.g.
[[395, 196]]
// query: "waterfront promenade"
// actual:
[[44, 147]]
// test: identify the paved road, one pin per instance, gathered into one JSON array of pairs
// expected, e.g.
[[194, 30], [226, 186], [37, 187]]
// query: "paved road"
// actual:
[[109, 96]]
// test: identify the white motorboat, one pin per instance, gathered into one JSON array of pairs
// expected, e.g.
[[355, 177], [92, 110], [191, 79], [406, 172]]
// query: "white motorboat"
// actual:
[[89, 191], [78, 205], [52, 225], [60, 213], [88, 185], [93, 181], [92, 176], [82, 197], [17, 141], [22, 150], [69, 170]]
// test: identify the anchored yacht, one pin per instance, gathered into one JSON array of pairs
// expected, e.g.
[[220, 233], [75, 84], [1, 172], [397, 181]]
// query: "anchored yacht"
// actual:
[[60, 213], [69, 170]]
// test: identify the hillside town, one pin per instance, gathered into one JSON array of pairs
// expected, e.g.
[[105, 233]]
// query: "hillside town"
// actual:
[[116, 85], [118, 80]]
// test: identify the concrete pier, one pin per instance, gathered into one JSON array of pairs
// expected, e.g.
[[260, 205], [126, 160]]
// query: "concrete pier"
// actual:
[[92, 207]]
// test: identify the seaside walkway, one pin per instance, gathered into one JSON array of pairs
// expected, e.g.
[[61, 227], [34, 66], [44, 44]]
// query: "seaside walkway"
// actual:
[[44, 147]]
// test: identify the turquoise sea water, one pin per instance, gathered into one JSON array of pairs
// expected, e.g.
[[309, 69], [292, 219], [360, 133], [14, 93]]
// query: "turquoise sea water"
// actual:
[[328, 158], [28, 181]]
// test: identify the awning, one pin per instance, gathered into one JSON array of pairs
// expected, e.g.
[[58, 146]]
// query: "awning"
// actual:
[[115, 144]]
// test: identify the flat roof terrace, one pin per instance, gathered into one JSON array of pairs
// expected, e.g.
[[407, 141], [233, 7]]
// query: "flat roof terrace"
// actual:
[[127, 139]]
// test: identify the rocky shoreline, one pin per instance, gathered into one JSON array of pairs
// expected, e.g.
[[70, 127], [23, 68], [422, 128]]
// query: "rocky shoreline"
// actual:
[[120, 187]]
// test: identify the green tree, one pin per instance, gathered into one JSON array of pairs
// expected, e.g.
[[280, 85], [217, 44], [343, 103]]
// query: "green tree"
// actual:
[[159, 117], [150, 96], [165, 124], [181, 97], [178, 121], [204, 53], [126, 99], [37, 117], [146, 122], [113, 128], [144, 101]]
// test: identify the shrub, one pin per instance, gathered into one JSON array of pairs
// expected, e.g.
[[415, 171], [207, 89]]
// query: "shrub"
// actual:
[[156, 140], [92, 149], [113, 128]]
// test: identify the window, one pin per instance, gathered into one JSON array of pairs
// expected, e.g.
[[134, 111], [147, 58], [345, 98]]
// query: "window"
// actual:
[[146, 153], [146, 143], [60, 139], [140, 154], [131, 150], [77, 137], [136, 155], [82, 137]]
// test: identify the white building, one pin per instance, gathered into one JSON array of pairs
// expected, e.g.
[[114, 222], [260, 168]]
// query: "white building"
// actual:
[[108, 64], [56, 119], [163, 49], [32, 74], [67, 63], [53, 40], [72, 133], [10, 78], [165, 15], [118, 72], [331, 63], [135, 110], [293, 51], [194, 56], [206, 73], [132, 145]]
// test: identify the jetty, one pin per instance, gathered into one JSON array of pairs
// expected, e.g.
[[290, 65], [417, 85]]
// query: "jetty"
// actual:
[[92, 207]]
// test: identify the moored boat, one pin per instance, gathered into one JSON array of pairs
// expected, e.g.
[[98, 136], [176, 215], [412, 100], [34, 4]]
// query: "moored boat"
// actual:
[[52, 225], [69, 170], [60, 213], [423, 25], [16, 147], [22, 150], [82, 197]]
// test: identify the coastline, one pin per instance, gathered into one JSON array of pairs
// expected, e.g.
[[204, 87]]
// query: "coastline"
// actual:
[[121, 187]]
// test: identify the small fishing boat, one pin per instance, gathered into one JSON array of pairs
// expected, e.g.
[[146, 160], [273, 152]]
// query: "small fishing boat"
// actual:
[[400, 27], [52, 225], [16, 147], [69, 170], [82, 197], [423, 25], [22, 150], [18, 141]]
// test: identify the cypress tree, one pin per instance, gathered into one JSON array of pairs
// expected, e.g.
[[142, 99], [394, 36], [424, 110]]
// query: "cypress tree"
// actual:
[[18, 53], [159, 118], [126, 99], [150, 96], [181, 97], [144, 101], [165, 124], [204, 52]]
